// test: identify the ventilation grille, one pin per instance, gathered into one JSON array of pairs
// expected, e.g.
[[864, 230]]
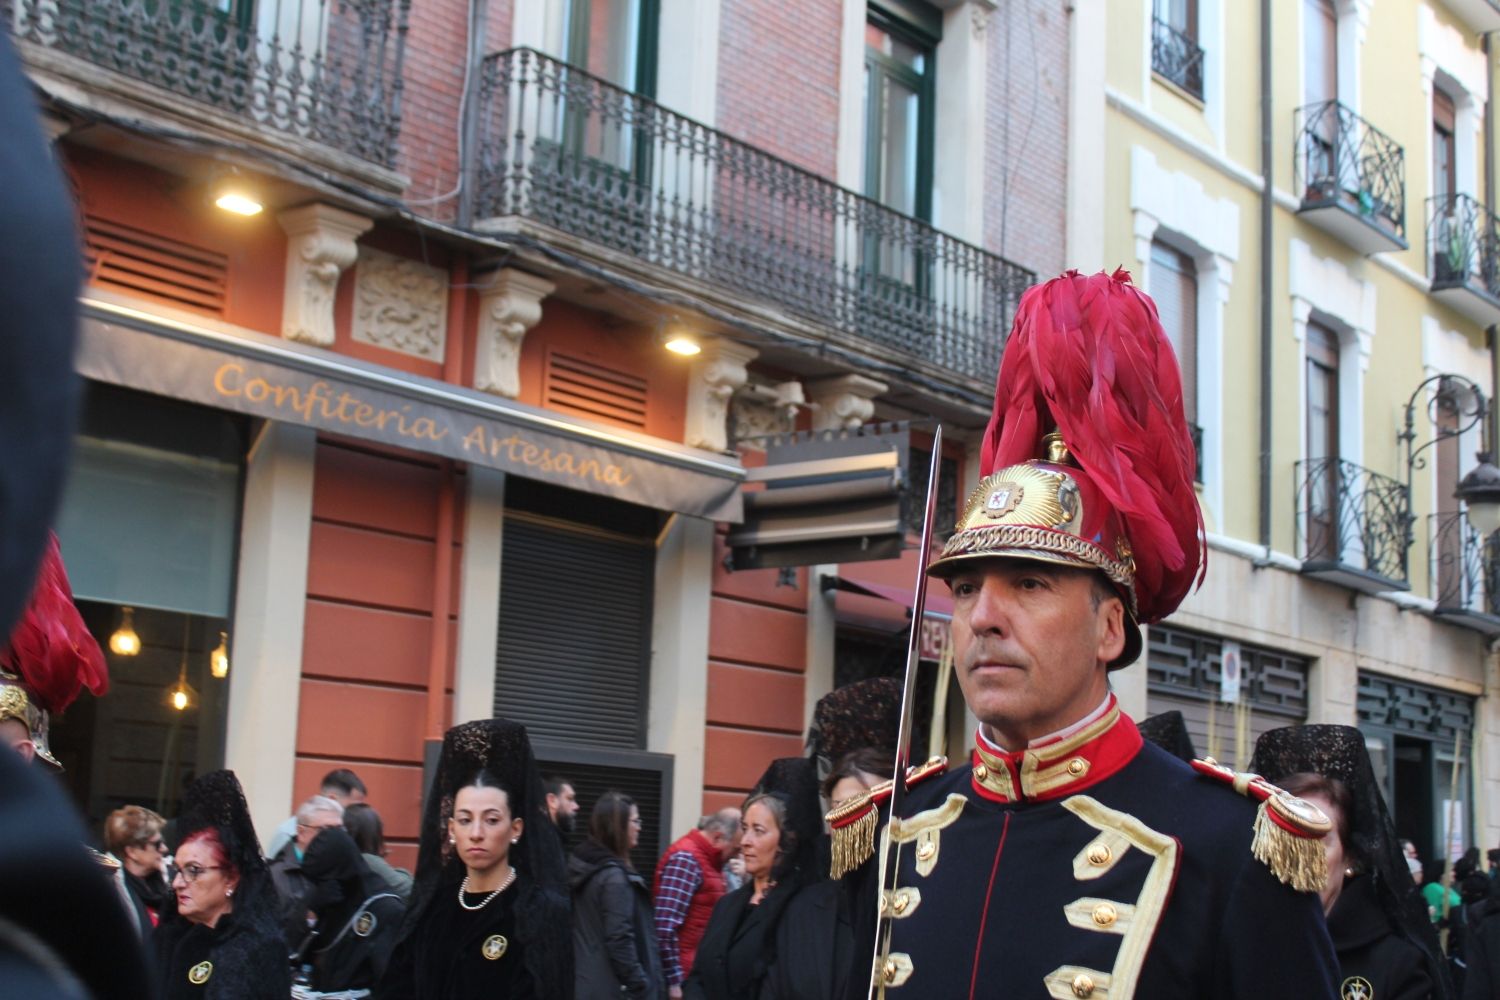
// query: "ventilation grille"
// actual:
[[144, 263], [590, 390]]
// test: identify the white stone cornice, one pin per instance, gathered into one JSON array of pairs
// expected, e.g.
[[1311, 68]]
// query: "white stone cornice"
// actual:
[[320, 245], [508, 308], [844, 402], [715, 374]]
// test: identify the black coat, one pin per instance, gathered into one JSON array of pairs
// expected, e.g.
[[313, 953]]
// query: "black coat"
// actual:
[[243, 960], [1482, 980], [1025, 891], [358, 916], [291, 892], [1371, 949], [797, 947], [614, 935]]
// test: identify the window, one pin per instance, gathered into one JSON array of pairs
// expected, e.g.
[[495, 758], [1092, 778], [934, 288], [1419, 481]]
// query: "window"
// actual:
[[614, 40], [1320, 82], [1322, 442], [1176, 55], [150, 523], [1444, 158], [1174, 286], [898, 114]]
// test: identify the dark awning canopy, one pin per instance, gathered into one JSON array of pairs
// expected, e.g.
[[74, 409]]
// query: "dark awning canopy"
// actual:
[[267, 377]]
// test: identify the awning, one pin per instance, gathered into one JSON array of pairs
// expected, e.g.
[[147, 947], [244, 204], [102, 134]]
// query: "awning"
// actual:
[[937, 604], [268, 377]]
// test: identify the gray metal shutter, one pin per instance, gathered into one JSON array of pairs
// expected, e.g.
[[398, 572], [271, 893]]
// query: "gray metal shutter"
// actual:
[[645, 777], [575, 633]]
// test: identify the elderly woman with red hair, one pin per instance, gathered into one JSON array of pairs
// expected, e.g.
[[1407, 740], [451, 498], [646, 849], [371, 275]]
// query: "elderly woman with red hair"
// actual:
[[219, 938]]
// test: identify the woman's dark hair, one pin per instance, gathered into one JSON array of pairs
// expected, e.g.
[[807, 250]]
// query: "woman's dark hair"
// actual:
[[786, 845], [486, 778], [1305, 783], [856, 764], [609, 823], [362, 822]]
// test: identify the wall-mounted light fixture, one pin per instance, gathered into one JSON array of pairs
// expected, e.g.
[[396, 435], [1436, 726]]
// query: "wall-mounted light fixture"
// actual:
[[123, 641], [236, 193]]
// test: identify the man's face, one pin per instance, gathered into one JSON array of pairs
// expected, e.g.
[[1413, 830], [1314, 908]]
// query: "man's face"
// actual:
[[563, 806], [1030, 643], [319, 822]]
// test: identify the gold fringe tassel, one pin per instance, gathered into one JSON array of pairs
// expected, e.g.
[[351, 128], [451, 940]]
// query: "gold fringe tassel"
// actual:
[[854, 844], [1298, 861]]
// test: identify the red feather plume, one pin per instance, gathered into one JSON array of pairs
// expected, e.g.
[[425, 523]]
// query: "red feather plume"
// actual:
[[50, 648], [1087, 356]]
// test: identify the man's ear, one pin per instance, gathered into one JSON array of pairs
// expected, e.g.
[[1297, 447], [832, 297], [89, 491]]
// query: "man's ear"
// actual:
[[1112, 632]]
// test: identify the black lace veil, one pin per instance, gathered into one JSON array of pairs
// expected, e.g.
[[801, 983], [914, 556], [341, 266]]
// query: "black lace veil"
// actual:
[[1339, 752], [501, 748], [1169, 731], [864, 714], [216, 801]]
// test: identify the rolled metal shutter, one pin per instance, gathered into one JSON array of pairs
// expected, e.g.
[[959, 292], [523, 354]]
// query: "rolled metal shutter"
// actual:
[[575, 633]]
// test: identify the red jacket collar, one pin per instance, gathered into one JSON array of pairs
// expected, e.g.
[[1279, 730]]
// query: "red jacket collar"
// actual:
[[1060, 768]]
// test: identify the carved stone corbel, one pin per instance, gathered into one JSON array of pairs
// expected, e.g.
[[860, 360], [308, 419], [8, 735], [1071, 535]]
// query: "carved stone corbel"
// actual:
[[845, 402], [320, 245], [715, 374], [508, 308]]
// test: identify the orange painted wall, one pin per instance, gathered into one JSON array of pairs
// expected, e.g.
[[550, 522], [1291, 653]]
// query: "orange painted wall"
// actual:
[[757, 653], [368, 628], [614, 343], [132, 194]]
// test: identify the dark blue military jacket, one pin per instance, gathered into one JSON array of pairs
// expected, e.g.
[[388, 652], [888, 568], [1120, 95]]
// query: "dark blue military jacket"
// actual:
[[1095, 867]]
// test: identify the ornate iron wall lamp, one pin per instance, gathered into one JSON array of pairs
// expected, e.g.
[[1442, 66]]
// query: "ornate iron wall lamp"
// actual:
[[1480, 488]]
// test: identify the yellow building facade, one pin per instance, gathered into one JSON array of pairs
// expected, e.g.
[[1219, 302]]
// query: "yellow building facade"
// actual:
[[1346, 584]]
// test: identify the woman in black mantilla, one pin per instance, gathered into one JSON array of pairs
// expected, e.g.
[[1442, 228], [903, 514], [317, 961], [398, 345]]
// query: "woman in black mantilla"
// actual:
[[219, 937], [1386, 946], [785, 934], [489, 913]]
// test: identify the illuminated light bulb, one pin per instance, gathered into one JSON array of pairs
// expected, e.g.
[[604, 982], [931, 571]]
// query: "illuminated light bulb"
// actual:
[[239, 203], [124, 641], [682, 344], [180, 700], [218, 660]]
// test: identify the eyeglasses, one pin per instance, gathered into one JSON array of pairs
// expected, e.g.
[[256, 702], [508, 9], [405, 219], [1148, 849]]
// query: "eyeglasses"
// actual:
[[159, 845], [192, 873]]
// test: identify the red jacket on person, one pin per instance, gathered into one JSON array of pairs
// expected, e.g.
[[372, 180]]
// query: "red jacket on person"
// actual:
[[688, 884]]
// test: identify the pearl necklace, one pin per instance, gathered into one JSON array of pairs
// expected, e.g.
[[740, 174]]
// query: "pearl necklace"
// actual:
[[463, 887]]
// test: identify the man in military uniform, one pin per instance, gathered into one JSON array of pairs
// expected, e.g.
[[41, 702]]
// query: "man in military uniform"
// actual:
[[1068, 858]]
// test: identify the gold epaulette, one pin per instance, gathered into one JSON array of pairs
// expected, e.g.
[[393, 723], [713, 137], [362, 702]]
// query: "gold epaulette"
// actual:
[[854, 822], [1288, 831]]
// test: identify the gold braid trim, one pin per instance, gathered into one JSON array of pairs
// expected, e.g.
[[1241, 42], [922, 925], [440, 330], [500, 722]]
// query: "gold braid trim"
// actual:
[[854, 843], [1029, 537], [1297, 860]]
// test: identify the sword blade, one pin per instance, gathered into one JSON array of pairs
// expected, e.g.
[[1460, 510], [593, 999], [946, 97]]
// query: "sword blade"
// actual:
[[892, 853]]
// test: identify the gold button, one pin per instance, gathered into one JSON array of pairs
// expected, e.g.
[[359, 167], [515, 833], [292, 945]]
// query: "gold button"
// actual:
[[903, 900], [1100, 854], [1083, 985], [1104, 914], [925, 850], [1077, 766], [981, 772]]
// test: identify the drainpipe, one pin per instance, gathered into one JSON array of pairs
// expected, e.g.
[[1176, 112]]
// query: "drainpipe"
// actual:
[[468, 123], [1267, 268]]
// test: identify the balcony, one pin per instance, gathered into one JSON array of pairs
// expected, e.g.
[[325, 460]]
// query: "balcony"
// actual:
[[616, 180], [1352, 177], [1351, 526], [310, 77], [1176, 58], [1196, 432], [1480, 15], [1463, 239], [1465, 573]]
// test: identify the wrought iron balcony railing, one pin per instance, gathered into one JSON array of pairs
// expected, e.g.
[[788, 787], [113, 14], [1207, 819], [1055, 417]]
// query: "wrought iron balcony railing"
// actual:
[[572, 152], [1343, 160], [1352, 524], [1465, 567], [1463, 240], [1197, 435], [1176, 57], [328, 71]]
